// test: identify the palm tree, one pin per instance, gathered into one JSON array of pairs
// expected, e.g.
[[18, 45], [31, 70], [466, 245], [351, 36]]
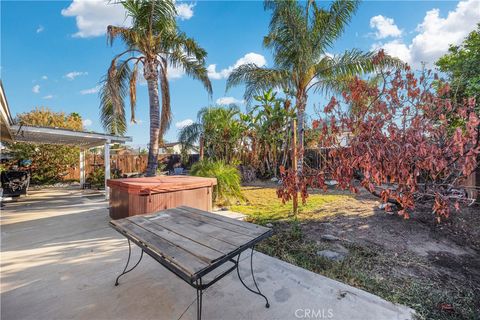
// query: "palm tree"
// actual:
[[299, 36], [272, 117], [155, 43], [218, 131]]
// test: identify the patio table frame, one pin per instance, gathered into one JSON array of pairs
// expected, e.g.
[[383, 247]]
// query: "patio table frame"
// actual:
[[151, 232]]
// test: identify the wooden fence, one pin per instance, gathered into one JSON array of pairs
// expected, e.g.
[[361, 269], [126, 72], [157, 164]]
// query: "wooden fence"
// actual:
[[125, 163]]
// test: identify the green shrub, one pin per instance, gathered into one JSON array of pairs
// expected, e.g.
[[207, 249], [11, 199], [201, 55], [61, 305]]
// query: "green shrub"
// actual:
[[50, 163], [97, 178], [228, 179]]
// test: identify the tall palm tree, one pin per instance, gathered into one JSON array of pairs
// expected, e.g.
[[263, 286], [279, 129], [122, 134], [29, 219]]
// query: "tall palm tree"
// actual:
[[299, 36], [155, 43]]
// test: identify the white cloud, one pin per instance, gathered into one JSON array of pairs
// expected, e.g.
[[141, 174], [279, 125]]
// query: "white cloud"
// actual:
[[228, 100], [93, 16], [251, 57], [40, 29], [72, 75], [213, 74], [385, 26], [175, 73], [435, 34], [182, 124], [44, 77], [48, 97], [91, 90], [87, 122], [36, 88], [395, 48], [184, 10]]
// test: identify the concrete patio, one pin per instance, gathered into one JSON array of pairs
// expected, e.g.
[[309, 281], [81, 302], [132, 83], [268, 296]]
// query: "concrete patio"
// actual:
[[59, 260]]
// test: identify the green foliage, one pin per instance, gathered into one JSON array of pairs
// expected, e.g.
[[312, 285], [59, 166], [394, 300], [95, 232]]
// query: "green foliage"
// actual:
[[300, 36], [153, 42], [162, 167], [269, 131], [462, 65], [258, 138], [97, 177], [50, 163], [44, 117], [228, 179], [221, 129]]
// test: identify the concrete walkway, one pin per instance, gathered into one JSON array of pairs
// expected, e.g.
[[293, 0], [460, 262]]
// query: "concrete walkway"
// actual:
[[59, 260]]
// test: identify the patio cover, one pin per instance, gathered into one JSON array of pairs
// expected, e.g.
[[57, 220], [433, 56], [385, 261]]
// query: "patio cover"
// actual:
[[45, 135], [82, 139], [5, 117]]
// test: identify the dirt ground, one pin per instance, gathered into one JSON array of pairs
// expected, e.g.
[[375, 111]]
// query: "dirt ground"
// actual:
[[430, 266], [453, 246]]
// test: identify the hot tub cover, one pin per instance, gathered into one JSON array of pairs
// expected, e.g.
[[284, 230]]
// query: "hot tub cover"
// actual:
[[160, 184]]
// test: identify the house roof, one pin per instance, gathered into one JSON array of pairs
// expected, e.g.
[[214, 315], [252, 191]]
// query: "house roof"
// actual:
[[5, 117], [170, 144]]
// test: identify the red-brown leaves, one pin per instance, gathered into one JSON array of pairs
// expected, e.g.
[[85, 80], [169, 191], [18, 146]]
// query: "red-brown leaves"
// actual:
[[405, 138]]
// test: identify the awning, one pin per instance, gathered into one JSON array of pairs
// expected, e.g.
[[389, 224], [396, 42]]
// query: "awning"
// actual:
[[59, 136]]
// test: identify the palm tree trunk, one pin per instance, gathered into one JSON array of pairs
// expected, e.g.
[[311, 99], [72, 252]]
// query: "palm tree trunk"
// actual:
[[151, 75], [201, 147]]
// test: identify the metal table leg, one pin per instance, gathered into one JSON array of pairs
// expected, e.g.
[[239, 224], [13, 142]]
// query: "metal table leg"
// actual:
[[199, 298], [267, 305], [128, 261]]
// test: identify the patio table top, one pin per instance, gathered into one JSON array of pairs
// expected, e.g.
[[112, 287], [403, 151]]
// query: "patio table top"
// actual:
[[188, 241]]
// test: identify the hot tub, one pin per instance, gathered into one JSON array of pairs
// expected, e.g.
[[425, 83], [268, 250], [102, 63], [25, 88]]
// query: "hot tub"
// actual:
[[132, 196]]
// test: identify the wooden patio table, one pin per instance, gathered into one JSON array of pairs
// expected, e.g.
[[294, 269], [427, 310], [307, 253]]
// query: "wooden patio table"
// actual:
[[192, 244]]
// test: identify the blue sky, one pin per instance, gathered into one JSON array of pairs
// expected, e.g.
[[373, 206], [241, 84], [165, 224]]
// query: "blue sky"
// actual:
[[54, 53]]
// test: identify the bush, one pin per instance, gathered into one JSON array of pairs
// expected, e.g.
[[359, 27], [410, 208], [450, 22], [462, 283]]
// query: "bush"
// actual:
[[228, 179], [50, 163], [97, 178]]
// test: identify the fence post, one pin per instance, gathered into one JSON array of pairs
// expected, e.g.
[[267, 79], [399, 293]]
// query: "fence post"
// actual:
[[106, 161], [82, 168]]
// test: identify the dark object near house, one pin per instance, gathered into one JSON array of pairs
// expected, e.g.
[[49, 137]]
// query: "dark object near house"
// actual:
[[15, 182], [87, 185], [182, 241]]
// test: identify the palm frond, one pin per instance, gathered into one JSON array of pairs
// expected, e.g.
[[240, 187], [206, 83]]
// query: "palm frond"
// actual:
[[190, 135], [114, 89], [329, 25], [257, 79], [133, 91], [179, 42], [332, 73], [150, 15], [193, 68], [166, 112]]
